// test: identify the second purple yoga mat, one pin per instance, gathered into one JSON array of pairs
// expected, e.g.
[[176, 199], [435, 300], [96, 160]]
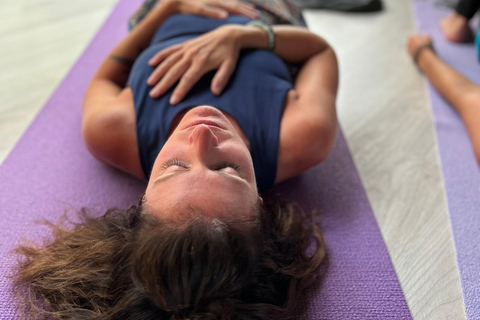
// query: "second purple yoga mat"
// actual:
[[50, 171], [461, 172]]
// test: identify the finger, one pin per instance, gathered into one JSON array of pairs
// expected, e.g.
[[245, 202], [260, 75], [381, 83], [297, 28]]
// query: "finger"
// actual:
[[169, 79], [160, 56], [189, 79], [212, 12], [249, 11], [237, 7], [244, 3], [222, 76], [160, 71]]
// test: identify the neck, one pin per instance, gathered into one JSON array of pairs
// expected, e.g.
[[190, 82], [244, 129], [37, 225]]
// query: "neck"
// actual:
[[234, 123]]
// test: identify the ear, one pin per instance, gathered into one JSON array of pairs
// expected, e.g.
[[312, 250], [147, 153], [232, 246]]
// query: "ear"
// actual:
[[260, 200]]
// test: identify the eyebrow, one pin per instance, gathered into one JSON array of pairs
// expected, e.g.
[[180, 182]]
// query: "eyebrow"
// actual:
[[173, 174]]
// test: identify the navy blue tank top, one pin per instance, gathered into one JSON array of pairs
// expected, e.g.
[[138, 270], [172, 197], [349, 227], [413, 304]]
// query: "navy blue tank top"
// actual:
[[254, 96]]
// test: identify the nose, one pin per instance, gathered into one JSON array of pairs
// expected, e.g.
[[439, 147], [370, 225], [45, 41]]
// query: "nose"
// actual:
[[202, 140]]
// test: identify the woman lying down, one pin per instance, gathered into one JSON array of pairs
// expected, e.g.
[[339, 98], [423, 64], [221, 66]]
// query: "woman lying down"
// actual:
[[200, 100]]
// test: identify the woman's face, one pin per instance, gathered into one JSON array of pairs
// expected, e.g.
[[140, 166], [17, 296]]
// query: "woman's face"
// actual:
[[204, 167]]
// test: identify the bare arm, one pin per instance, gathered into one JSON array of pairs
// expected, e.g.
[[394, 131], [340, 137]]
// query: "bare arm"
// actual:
[[459, 91], [113, 73], [293, 44], [309, 122], [108, 122]]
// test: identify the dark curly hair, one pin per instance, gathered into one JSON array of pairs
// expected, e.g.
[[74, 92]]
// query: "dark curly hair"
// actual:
[[133, 265]]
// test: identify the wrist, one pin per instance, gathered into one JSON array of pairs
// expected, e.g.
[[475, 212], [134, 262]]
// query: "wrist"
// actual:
[[249, 37]]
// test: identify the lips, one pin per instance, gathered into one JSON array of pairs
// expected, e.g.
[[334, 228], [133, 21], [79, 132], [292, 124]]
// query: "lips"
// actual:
[[205, 122]]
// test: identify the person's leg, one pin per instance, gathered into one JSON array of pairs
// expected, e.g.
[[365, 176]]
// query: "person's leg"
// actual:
[[455, 27], [459, 91]]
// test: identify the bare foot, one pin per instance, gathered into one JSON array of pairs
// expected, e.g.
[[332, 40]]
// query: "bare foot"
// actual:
[[455, 28]]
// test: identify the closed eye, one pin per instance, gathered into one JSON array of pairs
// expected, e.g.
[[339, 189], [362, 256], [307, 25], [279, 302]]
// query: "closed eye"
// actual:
[[174, 162], [181, 166], [232, 165], [179, 163]]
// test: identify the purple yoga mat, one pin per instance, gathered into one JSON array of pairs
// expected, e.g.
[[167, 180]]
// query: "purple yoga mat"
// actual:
[[461, 173], [50, 171]]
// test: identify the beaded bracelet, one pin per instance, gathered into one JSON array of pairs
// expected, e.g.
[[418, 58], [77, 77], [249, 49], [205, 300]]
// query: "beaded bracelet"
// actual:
[[268, 29]]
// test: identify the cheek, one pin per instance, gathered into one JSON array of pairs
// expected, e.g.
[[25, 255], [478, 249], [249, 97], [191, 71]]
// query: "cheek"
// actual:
[[240, 155], [238, 152]]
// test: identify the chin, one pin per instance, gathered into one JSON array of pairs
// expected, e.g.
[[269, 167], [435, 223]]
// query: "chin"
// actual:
[[206, 111]]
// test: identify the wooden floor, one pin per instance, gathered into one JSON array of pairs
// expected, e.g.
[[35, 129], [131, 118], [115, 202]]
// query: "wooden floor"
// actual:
[[383, 110]]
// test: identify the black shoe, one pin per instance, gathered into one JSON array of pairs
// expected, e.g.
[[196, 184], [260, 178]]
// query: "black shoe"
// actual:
[[343, 5]]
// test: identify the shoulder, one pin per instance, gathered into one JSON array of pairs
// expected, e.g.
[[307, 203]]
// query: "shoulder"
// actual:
[[109, 132]]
